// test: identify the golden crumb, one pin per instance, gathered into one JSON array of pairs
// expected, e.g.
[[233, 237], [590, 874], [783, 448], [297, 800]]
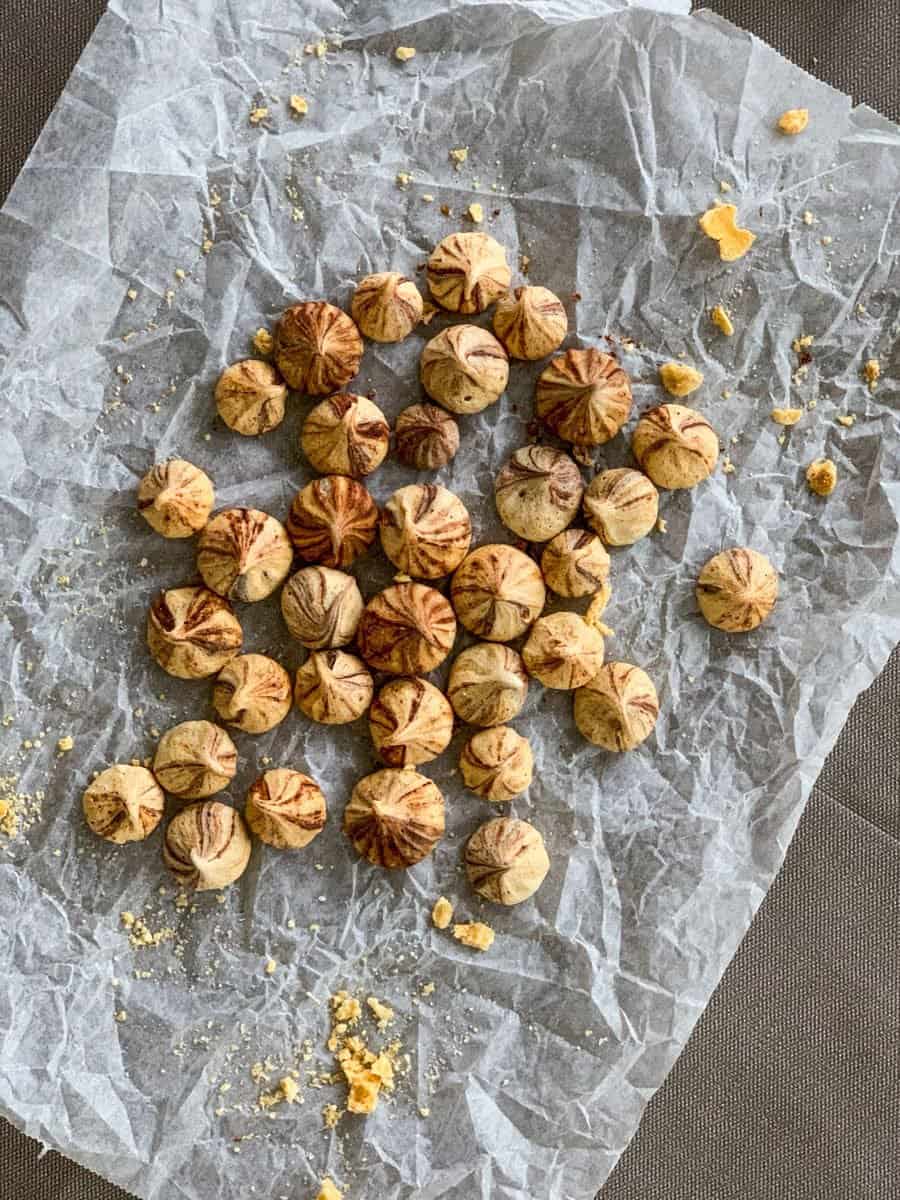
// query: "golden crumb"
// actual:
[[121, 1016], [826, 240], [720, 224], [459, 156], [299, 105], [846, 419], [822, 476], [445, 210], [405, 53], [263, 342], [661, 526], [427, 198], [285, 1091], [383, 1013], [808, 217], [794, 121], [786, 416], [475, 934], [258, 114], [132, 294], [402, 577], [345, 1008], [728, 467], [331, 1114], [319, 48], [442, 913], [424, 1111], [207, 245], [180, 274], [872, 373], [403, 179], [327, 1191], [802, 343], [271, 966], [679, 379], [724, 185], [475, 213], [65, 744], [428, 989], [721, 320]]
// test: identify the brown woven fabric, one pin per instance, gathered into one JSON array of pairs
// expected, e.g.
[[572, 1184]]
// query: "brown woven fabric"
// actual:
[[788, 1089]]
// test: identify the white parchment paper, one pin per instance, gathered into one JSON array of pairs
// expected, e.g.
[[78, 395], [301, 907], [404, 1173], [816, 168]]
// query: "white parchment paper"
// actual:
[[595, 139]]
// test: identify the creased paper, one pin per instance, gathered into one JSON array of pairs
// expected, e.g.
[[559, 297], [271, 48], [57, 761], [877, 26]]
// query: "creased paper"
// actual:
[[154, 230]]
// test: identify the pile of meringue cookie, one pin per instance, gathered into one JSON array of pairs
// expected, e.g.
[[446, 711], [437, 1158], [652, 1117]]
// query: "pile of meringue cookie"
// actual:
[[395, 816]]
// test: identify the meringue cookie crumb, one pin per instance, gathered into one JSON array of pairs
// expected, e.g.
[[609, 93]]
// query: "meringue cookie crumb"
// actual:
[[475, 934]]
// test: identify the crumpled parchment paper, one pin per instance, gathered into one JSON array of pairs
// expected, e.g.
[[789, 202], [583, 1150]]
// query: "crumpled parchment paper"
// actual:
[[594, 143]]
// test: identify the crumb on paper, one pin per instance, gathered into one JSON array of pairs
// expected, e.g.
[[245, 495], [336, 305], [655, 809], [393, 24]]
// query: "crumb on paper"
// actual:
[[872, 373], [402, 577], [661, 526], [428, 988], [285, 1091], [206, 245], [65, 744], [403, 179], [319, 49], [445, 210], [720, 224], [180, 274], [474, 934], [271, 966], [728, 467], [679, 379], [328, 1191], [808, 217], [405, 53], [427, 198], [383, 1013], [826, 240], [121, 1016], [442, 913], [524, 263], [141, 936], [258, 114], [424, 1111], [263, 342], [132, 294], [786, 416], [846, 419], [721, 320], [475, 213], [799, 344], [793, 121], [345, 1008], [331, 1114], [459, 155], [821, 476], [299, 105], [724, 185]]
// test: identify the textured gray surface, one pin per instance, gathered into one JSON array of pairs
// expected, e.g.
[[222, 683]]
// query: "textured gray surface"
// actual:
[[788, 1088]]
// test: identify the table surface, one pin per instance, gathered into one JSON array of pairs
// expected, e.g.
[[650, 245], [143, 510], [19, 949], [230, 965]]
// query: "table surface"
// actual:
[[788, 1088]]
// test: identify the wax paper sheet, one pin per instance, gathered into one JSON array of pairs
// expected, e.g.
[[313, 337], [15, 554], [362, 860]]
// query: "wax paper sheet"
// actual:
[[153, 231]]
